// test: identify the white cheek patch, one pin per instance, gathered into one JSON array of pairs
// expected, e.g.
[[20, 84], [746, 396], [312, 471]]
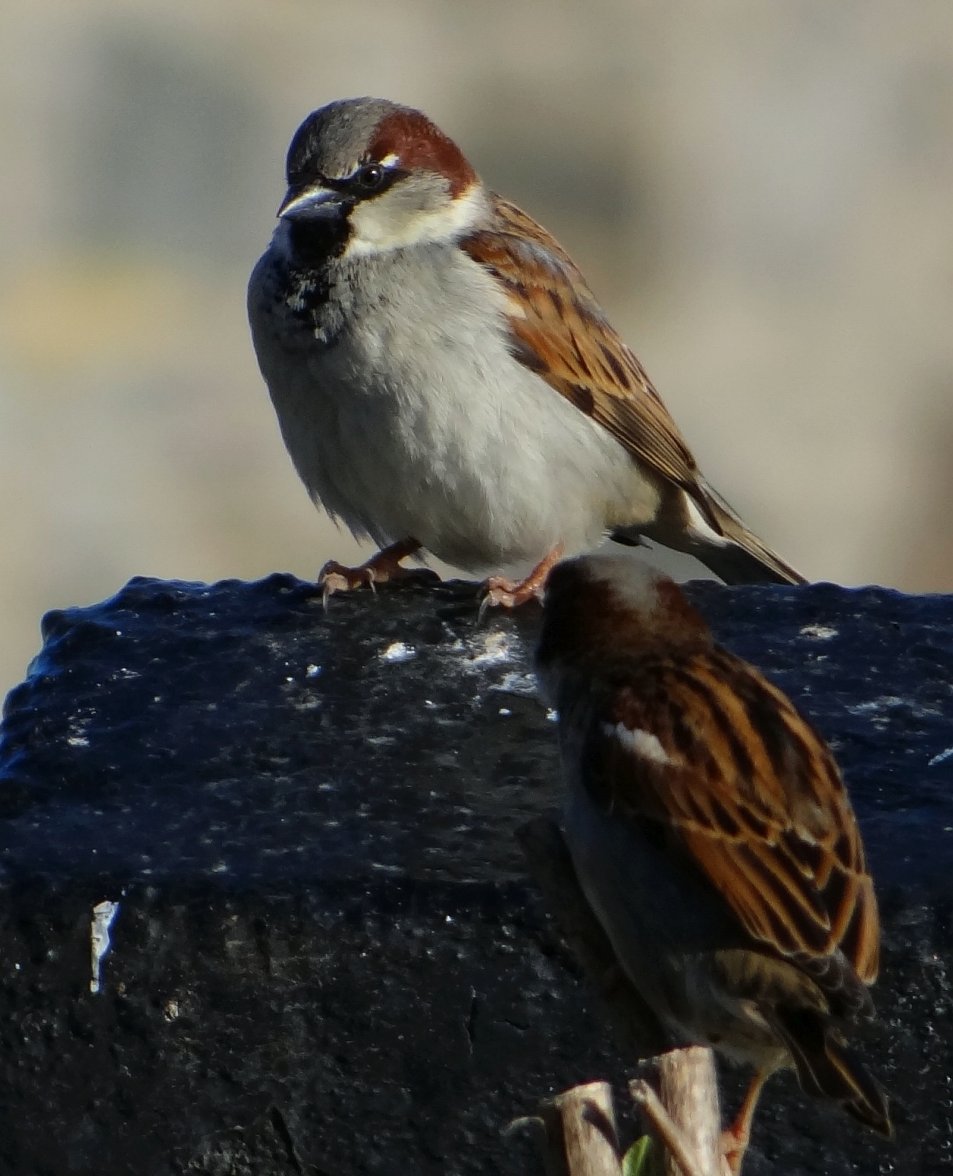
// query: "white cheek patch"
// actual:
[[376, 227], [642, 744]]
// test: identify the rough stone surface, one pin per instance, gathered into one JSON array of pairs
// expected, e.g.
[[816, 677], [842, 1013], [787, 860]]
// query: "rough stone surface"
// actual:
[[326, 957]]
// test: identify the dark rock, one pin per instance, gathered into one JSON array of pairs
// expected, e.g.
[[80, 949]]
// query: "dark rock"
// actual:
[[326, 957]]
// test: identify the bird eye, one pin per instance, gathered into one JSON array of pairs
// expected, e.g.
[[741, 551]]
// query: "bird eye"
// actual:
[[371, 177]]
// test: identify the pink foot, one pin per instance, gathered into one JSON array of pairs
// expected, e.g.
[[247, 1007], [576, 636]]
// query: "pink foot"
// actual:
[[503, 593], [382, 568]]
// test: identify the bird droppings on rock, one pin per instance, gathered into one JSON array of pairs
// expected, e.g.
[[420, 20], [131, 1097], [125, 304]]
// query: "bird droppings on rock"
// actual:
[[99, 938], [397, 651], [818, 632], [520, 684], [484, 650]]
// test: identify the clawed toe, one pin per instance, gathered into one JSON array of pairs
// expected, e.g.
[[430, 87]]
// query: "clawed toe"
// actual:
[[335, 577], [382, 568], [499, 592]]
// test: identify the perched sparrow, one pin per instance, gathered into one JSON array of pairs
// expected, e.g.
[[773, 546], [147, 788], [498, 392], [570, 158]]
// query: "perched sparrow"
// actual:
[[445, 380], [711, 833]]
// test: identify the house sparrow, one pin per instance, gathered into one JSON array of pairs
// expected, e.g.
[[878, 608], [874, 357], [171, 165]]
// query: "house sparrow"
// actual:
[[446, 382], [711, 834]]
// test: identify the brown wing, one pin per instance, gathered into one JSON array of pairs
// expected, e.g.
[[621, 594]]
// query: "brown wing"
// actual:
[[551, 325], [753, 794]]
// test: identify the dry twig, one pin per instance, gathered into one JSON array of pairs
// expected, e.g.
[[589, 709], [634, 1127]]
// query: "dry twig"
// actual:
[[684, 1115], [581, 1133]]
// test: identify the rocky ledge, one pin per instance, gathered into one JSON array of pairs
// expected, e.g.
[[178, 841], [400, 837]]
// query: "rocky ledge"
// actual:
[[263, 911]]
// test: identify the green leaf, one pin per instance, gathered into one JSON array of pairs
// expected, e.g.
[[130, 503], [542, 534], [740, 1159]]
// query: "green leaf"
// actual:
[[639, 1160]]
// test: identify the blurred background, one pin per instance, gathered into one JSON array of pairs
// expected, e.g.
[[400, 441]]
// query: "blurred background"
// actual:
[[761, 195]]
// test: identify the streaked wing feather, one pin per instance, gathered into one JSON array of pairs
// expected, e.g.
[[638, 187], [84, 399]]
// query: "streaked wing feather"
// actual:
[[553, 310], [753, 795]]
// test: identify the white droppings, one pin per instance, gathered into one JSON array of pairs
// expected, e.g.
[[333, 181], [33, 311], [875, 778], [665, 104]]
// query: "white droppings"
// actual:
[[522, 685], [77, 732], [641, 743], [940, 757], [397, 651], [489, 654], [881, 712], [312, 671], [491, 649], [886, 702], [818, 632], [103, 915], [505, 711]]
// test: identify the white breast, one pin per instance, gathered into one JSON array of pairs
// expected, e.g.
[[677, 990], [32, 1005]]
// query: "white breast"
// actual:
[[419, 422]]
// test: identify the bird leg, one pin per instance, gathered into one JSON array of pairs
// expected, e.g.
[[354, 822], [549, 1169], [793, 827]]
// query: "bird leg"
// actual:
[[734, 1139], [379, 569], [499, 591]]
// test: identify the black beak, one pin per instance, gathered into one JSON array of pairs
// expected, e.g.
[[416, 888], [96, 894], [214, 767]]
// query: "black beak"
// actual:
[[312, 204]]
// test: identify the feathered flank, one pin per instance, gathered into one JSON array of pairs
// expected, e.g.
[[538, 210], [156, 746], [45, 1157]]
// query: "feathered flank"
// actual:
[[552, 314]]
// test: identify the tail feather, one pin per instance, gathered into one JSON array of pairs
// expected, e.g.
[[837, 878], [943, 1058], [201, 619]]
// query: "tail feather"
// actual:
[[738, 562], [826, 1067], [699, 522], [743, 559]]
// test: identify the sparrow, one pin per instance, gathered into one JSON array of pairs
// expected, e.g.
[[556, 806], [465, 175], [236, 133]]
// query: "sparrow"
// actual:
[[712, 835], [445, 381]]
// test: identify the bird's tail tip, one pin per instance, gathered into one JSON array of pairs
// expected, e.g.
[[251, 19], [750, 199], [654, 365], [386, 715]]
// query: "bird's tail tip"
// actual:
[[741, 557], [827, 1068]]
